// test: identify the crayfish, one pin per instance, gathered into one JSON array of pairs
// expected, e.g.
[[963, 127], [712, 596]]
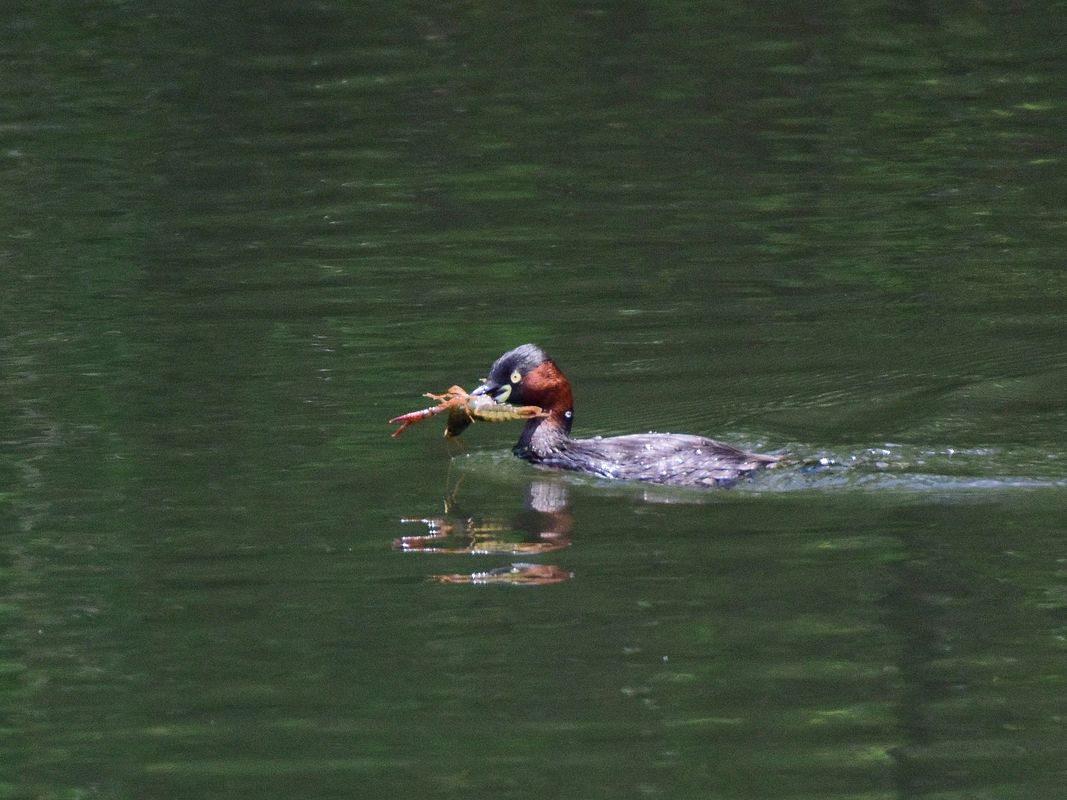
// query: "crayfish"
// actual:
[[463, 409]]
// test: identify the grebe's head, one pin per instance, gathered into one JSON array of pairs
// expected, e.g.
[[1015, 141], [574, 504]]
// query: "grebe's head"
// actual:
[[526, 376]]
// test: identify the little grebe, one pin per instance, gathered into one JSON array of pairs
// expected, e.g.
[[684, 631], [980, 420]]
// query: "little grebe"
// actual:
[[526, 376]]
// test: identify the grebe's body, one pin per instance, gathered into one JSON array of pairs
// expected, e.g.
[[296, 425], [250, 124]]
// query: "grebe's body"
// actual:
[[526, 376]]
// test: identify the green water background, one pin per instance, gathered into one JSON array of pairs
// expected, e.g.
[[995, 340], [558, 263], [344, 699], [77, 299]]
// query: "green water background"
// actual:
[[237, 238]]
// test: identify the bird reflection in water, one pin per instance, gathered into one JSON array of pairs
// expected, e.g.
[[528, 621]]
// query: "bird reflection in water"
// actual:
[[543, 527], [521, 573]]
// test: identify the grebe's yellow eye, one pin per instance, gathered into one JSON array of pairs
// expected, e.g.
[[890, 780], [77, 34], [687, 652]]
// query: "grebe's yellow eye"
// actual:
[[516, 376]]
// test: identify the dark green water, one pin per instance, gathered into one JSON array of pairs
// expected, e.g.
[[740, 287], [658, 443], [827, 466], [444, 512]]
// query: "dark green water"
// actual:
[[236, 240]]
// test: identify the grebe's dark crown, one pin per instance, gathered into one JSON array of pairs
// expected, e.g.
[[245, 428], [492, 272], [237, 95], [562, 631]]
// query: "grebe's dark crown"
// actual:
[[524, 358]]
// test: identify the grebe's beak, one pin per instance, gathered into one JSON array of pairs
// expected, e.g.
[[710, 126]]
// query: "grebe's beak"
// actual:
[[499, 393]]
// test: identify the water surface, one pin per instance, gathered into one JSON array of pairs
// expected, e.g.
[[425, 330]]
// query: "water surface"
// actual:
[[238, 240]]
